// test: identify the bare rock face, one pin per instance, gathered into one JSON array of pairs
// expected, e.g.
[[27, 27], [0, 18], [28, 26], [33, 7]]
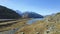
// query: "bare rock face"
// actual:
[[6, 13]]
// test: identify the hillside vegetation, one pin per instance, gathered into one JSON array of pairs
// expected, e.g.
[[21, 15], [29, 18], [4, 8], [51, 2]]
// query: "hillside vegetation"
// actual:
[[8, 25], [6, 13], [50, 25]]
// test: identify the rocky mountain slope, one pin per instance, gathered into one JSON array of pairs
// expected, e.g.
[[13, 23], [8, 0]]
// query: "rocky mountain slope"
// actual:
[[50, 25]]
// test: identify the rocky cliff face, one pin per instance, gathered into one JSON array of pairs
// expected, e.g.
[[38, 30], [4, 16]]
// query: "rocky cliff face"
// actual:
[[6, 13]]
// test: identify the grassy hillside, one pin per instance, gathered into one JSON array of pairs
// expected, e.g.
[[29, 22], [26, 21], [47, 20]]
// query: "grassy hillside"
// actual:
[[50, 25], [8, 25]]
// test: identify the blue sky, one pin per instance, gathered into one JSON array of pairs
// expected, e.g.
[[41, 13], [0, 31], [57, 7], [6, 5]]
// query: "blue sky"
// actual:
[[43, 7]]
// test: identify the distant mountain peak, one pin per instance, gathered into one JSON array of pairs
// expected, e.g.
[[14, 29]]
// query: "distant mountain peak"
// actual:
[[19, 12], [32, 15]]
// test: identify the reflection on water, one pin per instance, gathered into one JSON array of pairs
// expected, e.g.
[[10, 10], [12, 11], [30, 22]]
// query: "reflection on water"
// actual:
[[34, 20]]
